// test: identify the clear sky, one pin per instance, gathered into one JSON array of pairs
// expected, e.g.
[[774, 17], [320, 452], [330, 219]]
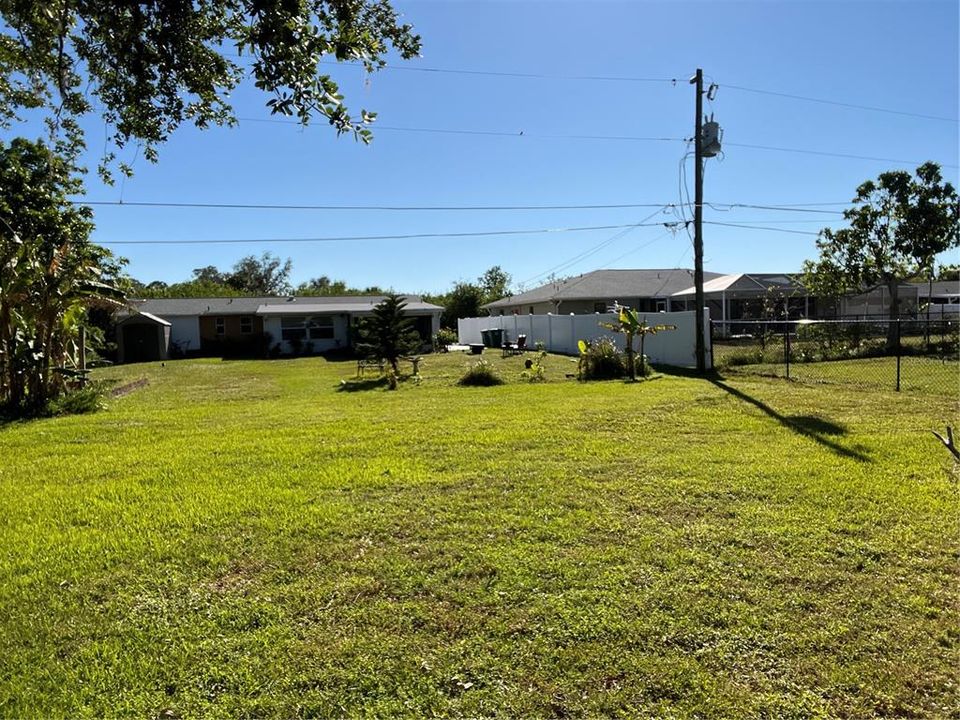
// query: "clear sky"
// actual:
[[900, 56]]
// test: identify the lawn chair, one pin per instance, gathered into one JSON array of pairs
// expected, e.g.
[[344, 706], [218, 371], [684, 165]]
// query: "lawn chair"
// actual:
[[516, 348]]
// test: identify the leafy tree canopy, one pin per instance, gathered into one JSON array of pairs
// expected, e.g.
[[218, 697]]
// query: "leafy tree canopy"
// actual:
[[153, 65], [898, 226], [49, 274], [495, 284], [266, 275]]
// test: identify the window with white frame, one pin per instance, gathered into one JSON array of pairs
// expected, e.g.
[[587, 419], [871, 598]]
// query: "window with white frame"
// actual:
[[321, 327], [293, 328]]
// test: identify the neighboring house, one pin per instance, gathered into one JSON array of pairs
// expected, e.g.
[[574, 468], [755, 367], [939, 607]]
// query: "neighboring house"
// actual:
[[176, 327], [643, 290], [774, 296], [752, 296]]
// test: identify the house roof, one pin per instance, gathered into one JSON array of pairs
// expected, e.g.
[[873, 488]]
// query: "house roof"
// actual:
[[167, 307], [148, 316], [343, 305], [606, 285], [941, 288], [746, 282]]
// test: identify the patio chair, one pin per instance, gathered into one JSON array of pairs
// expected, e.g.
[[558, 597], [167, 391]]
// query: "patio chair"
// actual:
[[516, 348]]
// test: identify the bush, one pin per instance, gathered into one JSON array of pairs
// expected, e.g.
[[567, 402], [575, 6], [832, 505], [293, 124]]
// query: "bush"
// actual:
[[602, 361], [444, 337], [77, 402], [480, 375]]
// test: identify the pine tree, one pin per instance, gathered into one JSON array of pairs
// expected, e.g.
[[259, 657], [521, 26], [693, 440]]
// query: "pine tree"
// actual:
[[388, 334]]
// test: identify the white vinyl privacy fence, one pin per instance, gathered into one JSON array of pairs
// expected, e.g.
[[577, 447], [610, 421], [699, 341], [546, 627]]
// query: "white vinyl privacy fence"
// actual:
[[561, 333]]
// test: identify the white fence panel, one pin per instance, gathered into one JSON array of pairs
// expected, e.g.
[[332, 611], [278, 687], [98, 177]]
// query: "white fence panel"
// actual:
[[561, 333]]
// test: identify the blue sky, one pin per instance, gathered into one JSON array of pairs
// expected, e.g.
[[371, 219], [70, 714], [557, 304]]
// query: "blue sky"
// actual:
[[896, 55]]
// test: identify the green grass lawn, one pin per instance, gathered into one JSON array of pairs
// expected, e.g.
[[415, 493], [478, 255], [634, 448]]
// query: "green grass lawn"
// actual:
[[241, 538]]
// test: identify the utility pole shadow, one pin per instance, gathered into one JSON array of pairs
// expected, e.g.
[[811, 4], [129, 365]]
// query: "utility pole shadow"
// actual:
[[817, 429]]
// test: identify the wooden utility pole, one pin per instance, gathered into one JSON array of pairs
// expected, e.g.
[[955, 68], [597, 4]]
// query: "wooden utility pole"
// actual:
[[698, 223]]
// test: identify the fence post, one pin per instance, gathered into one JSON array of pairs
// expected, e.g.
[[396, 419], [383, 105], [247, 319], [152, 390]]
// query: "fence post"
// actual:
[[786, 348], [899, 353], [710, 325]]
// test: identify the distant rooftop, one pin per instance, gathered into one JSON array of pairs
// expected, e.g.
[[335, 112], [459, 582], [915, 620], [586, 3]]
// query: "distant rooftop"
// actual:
[[607, 285], [166, 307]]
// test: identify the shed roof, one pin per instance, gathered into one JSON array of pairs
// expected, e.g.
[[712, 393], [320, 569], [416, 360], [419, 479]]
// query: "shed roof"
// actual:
[[606, 285], [140, 314]]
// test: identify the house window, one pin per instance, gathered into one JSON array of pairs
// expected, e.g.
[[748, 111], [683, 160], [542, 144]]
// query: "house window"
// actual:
[[293, 328], [661, 306], [220, 326], [321, 327], [246, 325]]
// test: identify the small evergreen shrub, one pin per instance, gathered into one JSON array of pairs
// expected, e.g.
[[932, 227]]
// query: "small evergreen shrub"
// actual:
[[481, 374]]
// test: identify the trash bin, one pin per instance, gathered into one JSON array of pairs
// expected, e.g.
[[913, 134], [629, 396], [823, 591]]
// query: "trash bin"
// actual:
[[485, 335], [496, 338]]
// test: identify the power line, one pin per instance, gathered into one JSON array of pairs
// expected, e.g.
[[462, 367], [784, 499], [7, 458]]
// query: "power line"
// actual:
[[839, 104], [726, 86], [784, 208], [615, 138], [758, 227], [352, 238], [366, 208], [831, 154], [595, 248], [491, 133], [533, 76]]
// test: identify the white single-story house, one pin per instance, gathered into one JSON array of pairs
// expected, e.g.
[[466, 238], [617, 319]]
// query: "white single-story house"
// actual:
[[252, 325]]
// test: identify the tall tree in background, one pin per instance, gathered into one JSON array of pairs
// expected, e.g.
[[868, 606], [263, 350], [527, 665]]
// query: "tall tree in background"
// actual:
[[495, 284], [388, 333], [897, 227], [266, 275], [50, 273], [153, 65]]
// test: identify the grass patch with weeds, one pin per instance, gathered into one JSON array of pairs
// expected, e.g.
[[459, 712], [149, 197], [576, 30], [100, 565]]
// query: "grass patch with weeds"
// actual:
[[240, 538]]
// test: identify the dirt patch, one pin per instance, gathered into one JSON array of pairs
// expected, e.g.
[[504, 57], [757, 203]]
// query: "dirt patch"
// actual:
[[129, 387]]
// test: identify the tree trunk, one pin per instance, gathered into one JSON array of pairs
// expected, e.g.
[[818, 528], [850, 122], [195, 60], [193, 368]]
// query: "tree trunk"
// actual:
[[633, 367], [893, 313]]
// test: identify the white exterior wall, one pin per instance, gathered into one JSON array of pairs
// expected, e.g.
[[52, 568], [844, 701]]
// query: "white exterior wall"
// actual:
[[184, 332], [271, 324], [561, 333]]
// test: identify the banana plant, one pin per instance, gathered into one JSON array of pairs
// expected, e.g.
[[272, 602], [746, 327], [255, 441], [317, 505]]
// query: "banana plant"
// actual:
[[630, 324]]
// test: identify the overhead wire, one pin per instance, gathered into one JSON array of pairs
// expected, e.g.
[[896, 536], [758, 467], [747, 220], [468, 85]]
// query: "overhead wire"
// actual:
[[365, 208], [355, 238], [673, 81], [594, 249], [838, 103]]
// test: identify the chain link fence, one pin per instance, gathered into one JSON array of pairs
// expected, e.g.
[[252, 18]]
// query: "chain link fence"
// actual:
[[921, 356]]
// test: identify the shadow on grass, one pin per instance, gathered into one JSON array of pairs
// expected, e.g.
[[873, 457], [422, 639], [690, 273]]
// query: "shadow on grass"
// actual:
[[817, 429], [362, 384]]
